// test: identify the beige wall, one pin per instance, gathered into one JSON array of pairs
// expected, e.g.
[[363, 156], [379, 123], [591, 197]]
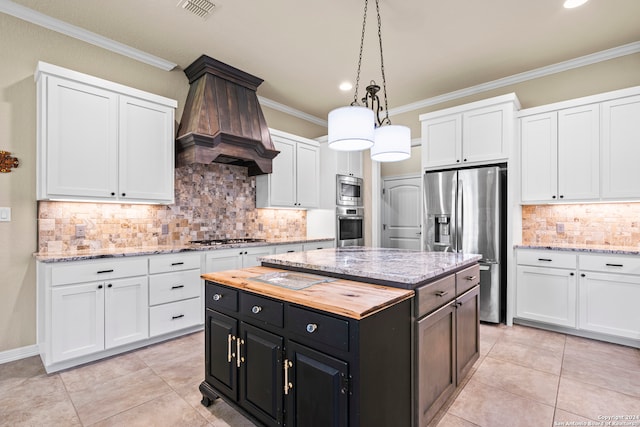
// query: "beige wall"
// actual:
[[22, 46]]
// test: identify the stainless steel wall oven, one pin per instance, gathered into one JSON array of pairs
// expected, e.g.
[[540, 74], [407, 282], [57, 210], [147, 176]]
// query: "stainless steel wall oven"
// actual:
[[349, 226]]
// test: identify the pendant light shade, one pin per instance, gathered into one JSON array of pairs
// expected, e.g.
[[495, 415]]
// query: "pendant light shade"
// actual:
[[392, 144], [351, 128]]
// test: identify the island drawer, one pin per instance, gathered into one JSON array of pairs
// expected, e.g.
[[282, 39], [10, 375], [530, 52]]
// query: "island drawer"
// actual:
[[262, 309], [220, 297], [316, 327], [176, 286], [467, 279], [435, 294]]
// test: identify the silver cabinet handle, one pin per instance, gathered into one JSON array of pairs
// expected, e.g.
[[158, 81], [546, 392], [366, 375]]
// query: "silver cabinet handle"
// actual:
[[216, 297], [256, 309], [311, 327]]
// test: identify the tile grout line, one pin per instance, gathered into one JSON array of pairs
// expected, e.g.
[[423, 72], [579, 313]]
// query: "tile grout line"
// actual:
[[555, 405]]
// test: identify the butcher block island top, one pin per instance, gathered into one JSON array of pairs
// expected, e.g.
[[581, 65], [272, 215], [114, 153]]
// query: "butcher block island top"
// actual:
[[393, 267], [347, 298]]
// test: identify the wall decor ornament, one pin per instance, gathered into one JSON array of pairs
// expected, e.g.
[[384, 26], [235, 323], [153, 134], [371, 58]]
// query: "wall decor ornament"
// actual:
[[7, 162]]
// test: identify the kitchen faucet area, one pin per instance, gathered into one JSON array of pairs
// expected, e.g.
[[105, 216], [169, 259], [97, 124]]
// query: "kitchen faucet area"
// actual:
[[226, 215]]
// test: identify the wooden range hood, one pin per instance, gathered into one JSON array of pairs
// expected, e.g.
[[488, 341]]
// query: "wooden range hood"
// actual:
[[222, 120]]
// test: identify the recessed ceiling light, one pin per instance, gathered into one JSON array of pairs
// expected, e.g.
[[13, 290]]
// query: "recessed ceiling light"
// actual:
[[345, 86], [570, 4]]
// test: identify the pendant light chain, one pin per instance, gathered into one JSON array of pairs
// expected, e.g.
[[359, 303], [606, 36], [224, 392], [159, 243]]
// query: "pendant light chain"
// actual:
[[384, 80], [364, 25]]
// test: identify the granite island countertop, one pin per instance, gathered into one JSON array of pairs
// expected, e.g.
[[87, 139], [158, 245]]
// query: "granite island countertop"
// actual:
[[600, 249], [157, 250], [404, 268]]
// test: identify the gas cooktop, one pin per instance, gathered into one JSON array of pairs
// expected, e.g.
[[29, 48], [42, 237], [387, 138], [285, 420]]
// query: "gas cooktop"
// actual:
[[216, 242]]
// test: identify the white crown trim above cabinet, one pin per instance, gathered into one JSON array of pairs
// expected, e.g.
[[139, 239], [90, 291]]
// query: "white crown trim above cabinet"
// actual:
[[295, 180], [101, 141]]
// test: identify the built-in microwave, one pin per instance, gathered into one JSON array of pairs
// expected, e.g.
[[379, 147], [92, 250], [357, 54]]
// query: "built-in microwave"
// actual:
[[349, 190]]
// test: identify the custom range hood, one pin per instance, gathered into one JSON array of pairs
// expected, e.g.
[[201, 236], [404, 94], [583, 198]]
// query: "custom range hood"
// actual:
[[222, 121]]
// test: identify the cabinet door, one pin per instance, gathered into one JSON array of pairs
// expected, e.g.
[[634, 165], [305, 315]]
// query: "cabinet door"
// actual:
[[349, 163], [538, 150], [436, 361], [579, 153], [609, 304], [621, 148], [485, 134], [220, 353], [77, 320], [221, 260], [261, 373], [307, 176], [126, 311], [145, 151], [442, 141], [282, 183], [546, 295], [251, 255], [467, 332], [78, 152], [319, 395]]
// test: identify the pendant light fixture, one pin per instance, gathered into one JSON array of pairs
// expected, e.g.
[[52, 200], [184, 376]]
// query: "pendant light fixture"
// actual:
[[356, 127]]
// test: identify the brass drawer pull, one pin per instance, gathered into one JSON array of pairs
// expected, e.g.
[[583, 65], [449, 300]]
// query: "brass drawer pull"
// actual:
[[229, 339], [287, 385]]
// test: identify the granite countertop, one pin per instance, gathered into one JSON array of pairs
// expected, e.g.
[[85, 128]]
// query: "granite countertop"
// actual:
[[601, 249], [356, 300], [378, 265], [157, 250]]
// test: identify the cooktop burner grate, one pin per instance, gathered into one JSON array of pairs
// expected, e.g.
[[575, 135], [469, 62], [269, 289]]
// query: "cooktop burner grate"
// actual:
[[214, 242]]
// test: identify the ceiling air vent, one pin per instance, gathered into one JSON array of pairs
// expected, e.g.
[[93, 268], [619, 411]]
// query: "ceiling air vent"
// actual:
[[201, 8]]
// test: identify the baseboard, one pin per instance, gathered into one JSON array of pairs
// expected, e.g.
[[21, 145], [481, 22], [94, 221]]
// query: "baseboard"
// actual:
[[18, 353]]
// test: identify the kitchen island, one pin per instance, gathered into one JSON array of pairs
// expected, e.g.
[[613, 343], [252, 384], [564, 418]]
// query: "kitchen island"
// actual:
[[337, 337]]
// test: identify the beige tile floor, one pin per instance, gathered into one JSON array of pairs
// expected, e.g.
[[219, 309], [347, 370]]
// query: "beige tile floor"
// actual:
[[525, 377]]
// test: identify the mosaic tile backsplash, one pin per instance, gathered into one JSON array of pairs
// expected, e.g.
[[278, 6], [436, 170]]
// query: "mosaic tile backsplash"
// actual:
[[211, 201], [582, 225]]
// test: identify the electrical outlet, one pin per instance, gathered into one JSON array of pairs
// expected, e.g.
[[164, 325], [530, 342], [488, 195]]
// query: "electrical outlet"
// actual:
[[559, 228], [5, 214], [80, 229], [165, 229]]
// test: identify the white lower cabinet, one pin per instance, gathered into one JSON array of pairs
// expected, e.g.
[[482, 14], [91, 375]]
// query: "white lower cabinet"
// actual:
[[594, 295], [319, 245], [233, 259]]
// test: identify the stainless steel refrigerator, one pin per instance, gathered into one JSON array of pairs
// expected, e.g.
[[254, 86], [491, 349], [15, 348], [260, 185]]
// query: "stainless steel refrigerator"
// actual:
[[464, 211]]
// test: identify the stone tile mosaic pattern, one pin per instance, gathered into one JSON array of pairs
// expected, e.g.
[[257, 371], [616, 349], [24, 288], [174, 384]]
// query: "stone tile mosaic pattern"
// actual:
[[581, 382], [211, 202], [584, 224]]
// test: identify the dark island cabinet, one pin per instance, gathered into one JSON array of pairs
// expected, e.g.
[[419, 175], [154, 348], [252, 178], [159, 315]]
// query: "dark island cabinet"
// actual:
[[286, 364]]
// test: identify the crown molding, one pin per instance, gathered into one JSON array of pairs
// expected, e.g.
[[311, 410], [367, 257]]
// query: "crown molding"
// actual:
[[21, 12], [605, 55], [266, 102]]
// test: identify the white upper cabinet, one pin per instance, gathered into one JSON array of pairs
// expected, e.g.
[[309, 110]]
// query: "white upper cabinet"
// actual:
[[471, 134], [349, 163], [560, 155], [582, 150], [295, 180], [101, 141], [621, 148]]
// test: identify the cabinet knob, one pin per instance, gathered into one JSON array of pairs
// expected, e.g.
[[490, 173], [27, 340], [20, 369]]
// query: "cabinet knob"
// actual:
[[553, 197], [99, 286], [124, 194], [583, 275], [571, 274], [464, 160], [216, 297], [113, 193], [311, 327], [256, 309], [110, 285], [561, 196]]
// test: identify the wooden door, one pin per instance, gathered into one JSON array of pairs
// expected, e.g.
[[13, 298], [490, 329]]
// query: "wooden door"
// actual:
[[467, 332], [319, 395], [221, 364], [402, 213]]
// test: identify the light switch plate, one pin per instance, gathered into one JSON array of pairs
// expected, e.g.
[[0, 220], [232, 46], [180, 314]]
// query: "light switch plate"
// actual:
[[5, 214]]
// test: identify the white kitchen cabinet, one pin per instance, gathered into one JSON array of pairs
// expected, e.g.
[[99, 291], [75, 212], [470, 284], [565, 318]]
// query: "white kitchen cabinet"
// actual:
[[332, 163], [101, 141], [560, 155], [348, 163], [472, 134], [94, 307], [621, 148], [609, 289], [295, 180], [233, 259], [546, 287], [284, 249], [319, 245]]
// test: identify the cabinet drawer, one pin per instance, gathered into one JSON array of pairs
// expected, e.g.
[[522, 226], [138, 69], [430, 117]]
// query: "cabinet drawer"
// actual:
[[262, 309], [93, 271], [173, 262], [315, 327], [434, 295], [174, 315], [467, 279], [610, 263], [547, 259], [220, 298], [169, 287]]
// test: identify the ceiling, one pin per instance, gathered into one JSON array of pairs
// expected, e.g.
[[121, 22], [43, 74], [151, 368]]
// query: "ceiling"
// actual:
[[304, 49]]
